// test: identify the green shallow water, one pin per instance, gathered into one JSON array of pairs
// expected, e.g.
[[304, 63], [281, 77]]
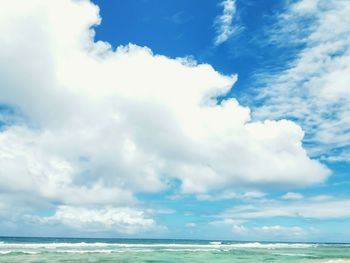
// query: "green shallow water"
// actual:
[[157, 251]]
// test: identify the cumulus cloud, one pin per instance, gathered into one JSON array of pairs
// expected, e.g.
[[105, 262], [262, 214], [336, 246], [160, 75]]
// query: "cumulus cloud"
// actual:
[[27, 167], [99, 125], [314, 87], [116, 219], [224, 23]]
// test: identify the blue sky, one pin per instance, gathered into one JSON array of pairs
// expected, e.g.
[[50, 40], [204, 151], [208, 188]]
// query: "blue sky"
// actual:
[[175, 119]]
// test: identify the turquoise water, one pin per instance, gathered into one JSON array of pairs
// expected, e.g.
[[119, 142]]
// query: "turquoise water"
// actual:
[[146, 250]]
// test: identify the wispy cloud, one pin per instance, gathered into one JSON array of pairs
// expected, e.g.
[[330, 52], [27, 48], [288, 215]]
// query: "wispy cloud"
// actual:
[[313, 89], [179, 18], [292, 196], [243, 219], [312, 207], [224, 23], [226, 195], [264, 232], [269, 231]]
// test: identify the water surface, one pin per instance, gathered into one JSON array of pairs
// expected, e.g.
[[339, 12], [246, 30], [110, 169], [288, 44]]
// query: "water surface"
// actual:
[[148, 250]]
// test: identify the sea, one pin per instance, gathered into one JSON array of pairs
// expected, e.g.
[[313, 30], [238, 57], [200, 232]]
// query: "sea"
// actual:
[[40, 250]]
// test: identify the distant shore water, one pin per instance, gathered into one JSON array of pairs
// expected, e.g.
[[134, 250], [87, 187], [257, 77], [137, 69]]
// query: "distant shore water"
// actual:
[[14, 249]]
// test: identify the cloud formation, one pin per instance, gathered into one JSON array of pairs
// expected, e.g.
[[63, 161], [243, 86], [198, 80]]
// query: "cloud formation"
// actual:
[[264, 232], [224, 23], [115, 219], [314, 208], [292, 196], [98, 125], [298, 219], [314, 87], [274, 231]]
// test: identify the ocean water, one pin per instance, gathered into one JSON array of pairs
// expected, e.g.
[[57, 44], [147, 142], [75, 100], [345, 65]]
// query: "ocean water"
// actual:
[[40, 250]]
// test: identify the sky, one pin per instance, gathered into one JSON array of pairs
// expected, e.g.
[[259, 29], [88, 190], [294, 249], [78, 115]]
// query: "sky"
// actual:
[[175, 119]]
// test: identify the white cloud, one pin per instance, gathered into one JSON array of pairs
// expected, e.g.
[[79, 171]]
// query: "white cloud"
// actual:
[[224, 23], [269, 232], [253, 194], [305, 6], [246, 220], [119, 220], [26, 166], [226, 195], [227, 222], [274, 231], [278, 230], [313, 208], [100, 125], [292, 196], [314, 87], [321, 197], [191, 225]]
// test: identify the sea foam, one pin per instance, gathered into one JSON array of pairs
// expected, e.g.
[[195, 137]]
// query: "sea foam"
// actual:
[[159, 245]]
